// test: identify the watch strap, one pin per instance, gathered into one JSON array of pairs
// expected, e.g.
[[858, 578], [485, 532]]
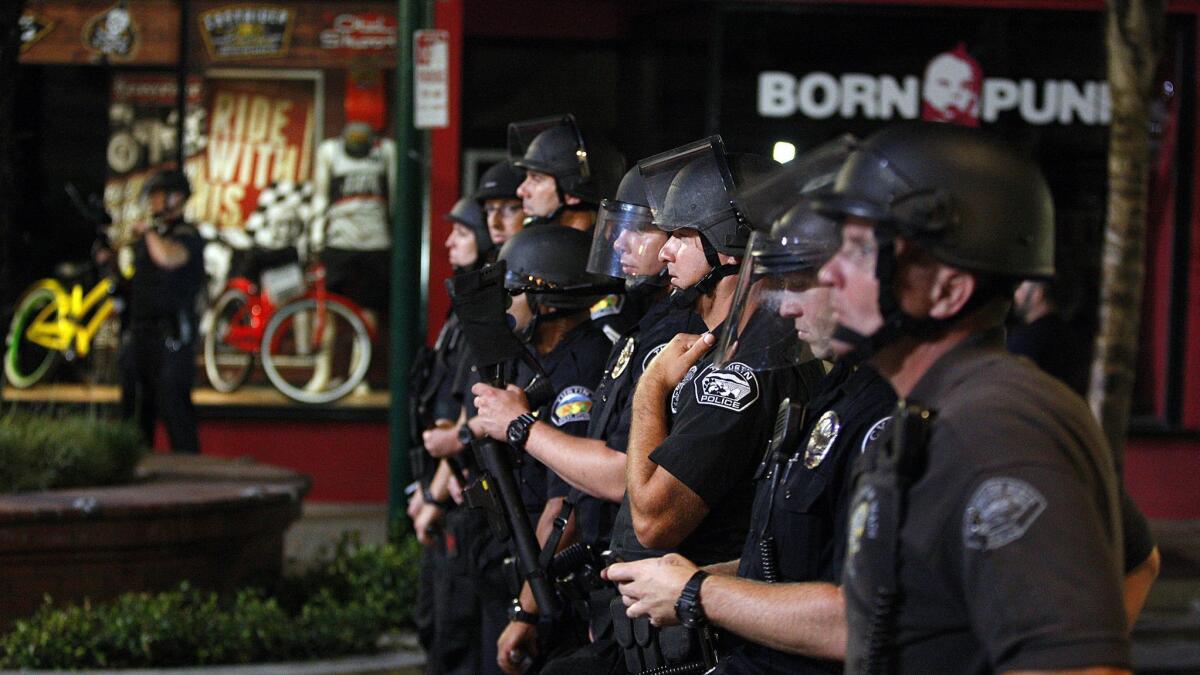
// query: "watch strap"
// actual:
[[515, 613], [688, 609]]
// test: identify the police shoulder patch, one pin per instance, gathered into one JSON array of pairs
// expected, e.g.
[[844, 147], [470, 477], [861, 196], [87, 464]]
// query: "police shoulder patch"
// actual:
[[734, 387], [607, 306], [573, 404], [687, 377], [650, 356], [1000, 512], [876, 433]]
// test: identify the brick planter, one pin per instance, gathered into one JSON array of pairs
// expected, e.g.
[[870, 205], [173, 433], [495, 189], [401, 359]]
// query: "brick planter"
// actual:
[[216, 523]]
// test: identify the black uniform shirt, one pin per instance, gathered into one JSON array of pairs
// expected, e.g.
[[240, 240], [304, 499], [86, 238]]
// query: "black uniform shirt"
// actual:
[[1009, 555], [613, 410], [159, 293], [720, 423], [806, 513]]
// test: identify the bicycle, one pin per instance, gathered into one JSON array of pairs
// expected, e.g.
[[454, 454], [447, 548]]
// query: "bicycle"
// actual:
[[52, 323], [315, 347]]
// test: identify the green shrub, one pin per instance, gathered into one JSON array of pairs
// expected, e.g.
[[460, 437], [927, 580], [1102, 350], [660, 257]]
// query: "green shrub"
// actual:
[[43, 452], [341, 607]]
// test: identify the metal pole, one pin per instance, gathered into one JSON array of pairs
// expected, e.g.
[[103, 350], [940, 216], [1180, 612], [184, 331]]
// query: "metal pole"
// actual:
[[181, 76], [407, 216]]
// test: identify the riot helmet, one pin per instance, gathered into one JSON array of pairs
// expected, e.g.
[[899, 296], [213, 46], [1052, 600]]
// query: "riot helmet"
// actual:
[[500, 181], [625, 242], [967, 198], [467, 212], [583, 163], [548, 263], [777, 287]]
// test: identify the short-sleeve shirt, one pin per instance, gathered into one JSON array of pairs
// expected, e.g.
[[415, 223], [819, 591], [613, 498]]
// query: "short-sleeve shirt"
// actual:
[[1010, 552], [719, 424], [801, 504], [613, 410]]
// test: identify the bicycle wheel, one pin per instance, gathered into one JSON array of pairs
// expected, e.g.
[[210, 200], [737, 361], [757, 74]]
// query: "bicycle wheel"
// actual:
[[226, 366], [26, 362], [311, 368]]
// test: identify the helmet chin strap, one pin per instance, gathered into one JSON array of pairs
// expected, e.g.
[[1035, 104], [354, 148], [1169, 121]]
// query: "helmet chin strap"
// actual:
[[531, 221], [687, 297], [896, 322]]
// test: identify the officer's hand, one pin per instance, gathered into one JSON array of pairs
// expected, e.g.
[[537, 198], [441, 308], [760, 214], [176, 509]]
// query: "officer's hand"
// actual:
[[441, 442], [427, 523], [415, 502], [456, 489], [672, 363], [498, 407], [652, 587], [517, 644]]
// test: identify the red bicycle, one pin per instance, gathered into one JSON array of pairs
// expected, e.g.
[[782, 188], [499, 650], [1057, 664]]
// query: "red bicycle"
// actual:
[[314, 346]]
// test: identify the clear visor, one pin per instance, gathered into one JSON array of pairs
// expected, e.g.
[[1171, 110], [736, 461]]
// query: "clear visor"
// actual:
[[813, 172], [774, 317], [690, 185], [625, 242]]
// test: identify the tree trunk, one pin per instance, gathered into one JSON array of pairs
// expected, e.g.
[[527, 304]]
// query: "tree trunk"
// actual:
[[1134, 35], [10, 49]]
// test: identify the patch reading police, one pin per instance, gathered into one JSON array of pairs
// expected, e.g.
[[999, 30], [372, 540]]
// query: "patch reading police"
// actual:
[[822, 438], [1000, 511], [573, 404], [875, 433], [734, 387], [650, 357], [687, 377], [623, 358], [864, 522]]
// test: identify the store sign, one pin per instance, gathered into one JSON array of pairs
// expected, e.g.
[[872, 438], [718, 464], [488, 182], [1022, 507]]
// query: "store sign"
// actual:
[[431, 79], [33, 27], [259, 133], [953, 89], [112, 34], [360, 32], [247, 31]]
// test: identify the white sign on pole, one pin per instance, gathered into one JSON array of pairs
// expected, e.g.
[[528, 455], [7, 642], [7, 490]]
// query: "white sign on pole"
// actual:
[[431, 79]]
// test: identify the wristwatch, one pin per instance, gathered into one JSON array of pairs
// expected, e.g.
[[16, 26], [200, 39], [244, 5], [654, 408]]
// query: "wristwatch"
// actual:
[[465, 435], [687, 607], [518, 430], [515, 613]]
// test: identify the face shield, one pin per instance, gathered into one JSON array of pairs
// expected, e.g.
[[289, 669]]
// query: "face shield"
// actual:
[[690, 186], [625, 243], [779, 313]]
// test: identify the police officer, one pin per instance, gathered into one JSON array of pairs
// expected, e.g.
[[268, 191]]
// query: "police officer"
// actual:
[[497, 195], [986, 536], [552, 293], [797, 526], [625, 244], [157, 359], [567, 170]]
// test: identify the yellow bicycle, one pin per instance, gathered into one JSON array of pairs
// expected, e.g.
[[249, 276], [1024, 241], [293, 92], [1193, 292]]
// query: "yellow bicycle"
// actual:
[[53, 323]]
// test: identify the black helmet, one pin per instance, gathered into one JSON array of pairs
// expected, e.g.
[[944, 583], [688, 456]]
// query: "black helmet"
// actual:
[[966, 197], [583, 164], [500, 181], [549, 262], [468, 213], [625, 229], [167, 180], [693, 185]]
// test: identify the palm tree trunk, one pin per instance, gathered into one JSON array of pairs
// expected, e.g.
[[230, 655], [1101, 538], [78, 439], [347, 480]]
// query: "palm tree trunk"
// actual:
[[1134, 35]]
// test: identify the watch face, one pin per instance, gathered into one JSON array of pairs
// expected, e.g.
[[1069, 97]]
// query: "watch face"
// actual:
[[516, 432]]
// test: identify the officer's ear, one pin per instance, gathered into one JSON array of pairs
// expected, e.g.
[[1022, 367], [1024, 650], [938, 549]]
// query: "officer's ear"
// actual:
[[572, 200], [952, 288]]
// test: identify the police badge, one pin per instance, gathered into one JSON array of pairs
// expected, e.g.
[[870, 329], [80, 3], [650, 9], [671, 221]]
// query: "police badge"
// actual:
[[823, 435], [623, 358]]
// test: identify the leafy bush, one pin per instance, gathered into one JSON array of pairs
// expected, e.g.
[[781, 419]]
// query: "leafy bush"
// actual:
[[342, 607], [43, 452]]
